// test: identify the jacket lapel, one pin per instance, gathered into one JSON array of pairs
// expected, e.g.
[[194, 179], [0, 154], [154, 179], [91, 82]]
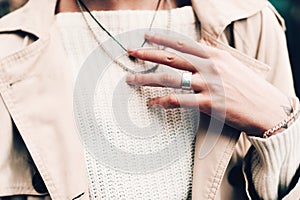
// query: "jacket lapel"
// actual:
[[35, 84]]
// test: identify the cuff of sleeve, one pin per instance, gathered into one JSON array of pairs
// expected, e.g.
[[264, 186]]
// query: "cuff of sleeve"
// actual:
[[274, 161], [275, 151]]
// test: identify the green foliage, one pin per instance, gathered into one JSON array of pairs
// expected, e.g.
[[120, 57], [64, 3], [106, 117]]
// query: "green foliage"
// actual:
[[4, 7]]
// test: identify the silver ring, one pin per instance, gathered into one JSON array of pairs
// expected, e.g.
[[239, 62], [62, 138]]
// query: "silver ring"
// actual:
[[186, 81]]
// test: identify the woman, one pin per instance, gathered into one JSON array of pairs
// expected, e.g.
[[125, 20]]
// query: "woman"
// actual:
[[44, 42]]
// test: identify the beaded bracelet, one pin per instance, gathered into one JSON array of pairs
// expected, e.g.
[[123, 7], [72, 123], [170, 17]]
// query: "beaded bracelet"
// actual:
[[284, 124]]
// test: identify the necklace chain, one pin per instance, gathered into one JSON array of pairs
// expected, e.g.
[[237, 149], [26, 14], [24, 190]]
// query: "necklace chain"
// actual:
[[83, 7]]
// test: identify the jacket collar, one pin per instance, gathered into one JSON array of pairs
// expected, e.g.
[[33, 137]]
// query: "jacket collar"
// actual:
[[214, 15], [34, 18]]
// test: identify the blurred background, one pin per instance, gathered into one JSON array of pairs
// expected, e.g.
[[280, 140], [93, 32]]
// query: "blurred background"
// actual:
[[289, 9]]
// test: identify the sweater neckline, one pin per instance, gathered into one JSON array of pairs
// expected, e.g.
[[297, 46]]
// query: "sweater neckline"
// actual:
[[120, 18]]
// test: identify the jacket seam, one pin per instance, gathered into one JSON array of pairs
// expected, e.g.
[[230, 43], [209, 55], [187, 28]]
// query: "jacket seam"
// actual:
[[217, 178]]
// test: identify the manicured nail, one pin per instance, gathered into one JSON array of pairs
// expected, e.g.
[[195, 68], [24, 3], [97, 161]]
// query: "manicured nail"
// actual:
[[153, 103], [132, 49], [129, 78], [149, 34], [150, 102]]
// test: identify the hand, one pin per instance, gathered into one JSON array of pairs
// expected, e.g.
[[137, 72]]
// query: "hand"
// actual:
[[221, 83]]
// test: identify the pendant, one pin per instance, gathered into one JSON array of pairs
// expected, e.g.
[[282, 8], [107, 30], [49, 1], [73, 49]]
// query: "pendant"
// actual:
[[132, 58]]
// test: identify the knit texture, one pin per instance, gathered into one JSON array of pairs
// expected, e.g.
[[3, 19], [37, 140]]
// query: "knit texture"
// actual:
[[275, 161], [167, 180]]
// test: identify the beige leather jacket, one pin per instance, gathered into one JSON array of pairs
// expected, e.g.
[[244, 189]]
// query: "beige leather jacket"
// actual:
[[41, 156]]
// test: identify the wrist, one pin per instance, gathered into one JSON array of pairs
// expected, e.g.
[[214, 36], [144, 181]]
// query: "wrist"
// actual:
[[293, 115], [273, 114]]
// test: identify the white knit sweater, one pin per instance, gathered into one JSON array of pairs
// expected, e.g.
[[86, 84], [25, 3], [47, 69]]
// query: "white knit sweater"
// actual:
[[168, 179], [273, 162]]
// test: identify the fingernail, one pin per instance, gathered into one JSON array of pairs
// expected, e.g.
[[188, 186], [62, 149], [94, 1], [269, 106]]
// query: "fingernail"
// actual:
[[153, 104], [149, 34], [129, 78], [150, 102], [132, 49]]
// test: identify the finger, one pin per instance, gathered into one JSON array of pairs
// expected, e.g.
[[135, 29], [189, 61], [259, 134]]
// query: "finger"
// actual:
[[163, 57], [173, 80], [155, 79], [177, 60], [179, 43], [179, 101]]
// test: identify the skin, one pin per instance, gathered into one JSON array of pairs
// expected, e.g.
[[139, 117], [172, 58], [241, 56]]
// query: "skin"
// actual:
[[247, 108], [252, 104]]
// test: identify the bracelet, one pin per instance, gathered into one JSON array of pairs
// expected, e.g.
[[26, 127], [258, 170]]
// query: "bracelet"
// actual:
[[284, 124]]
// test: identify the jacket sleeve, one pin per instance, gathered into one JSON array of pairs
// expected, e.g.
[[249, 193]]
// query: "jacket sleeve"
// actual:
[[271, 165]]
